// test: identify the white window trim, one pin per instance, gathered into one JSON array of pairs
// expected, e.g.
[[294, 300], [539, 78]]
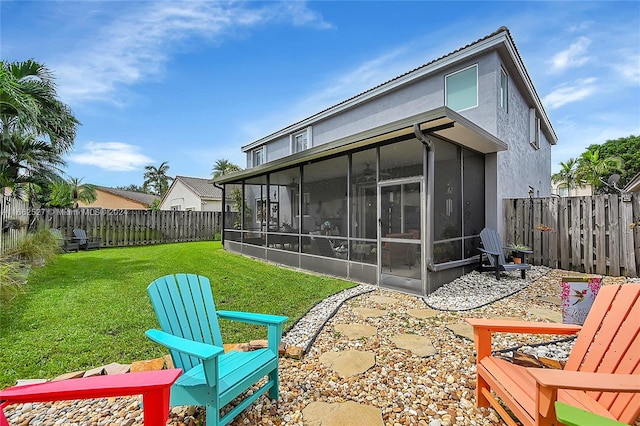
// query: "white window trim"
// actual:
[[253, 155], [477, 86], [504, 96], [292, 139], [534, 129]]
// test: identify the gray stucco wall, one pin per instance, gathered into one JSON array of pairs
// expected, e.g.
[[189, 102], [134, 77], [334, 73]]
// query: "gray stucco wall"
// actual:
[[508, 173]]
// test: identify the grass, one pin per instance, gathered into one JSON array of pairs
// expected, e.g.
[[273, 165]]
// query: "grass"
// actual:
[[83, 310]]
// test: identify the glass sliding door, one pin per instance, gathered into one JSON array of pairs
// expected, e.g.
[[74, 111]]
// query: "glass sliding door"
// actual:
[[400, 239]]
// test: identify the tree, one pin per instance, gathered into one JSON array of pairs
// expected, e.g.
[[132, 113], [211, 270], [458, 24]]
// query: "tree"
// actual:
[[592, 168], [36, 128], [133, 187], [26, 160], [67, 194], [625, 148], [223, 167], [567, 174], [156, 180], [29, 104]]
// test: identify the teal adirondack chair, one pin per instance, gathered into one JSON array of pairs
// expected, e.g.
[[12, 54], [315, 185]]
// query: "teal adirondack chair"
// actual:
[[188, 317]]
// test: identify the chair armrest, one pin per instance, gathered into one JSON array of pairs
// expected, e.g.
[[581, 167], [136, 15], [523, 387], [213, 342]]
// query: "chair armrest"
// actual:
[[524, 251], [483, 329], [252, 318], [529, 327], [603, 382], [494, 253], [199, 350]]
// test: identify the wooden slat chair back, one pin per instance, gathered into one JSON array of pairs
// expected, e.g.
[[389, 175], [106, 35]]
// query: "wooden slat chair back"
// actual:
[[602, 373], [493, 248], [86, 243], [64, 243], [188, 318], [609, 342], [188, 313], [491, 241]]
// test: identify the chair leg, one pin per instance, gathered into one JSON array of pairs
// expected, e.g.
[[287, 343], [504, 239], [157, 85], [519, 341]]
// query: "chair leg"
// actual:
[[274, 391], [213, 414], [497, 273], [523, 274]]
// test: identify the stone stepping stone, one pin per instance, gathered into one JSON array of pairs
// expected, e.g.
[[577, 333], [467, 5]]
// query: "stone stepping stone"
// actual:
[[418, 345], [355, 331], [340, 414], [383, 299], [422, 313], [348, 363], [545, 313], [466, 331], [462, 330], [557, 301], [370, 313]]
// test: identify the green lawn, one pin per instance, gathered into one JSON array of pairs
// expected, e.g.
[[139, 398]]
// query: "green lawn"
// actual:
[[87, 309]]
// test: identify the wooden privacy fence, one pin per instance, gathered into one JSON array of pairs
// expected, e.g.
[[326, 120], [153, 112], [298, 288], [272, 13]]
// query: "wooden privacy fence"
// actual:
[[121, 227], [13, 222], [596, 235]]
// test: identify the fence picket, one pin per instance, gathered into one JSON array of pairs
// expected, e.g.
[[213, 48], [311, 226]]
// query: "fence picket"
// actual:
[[599, 234]]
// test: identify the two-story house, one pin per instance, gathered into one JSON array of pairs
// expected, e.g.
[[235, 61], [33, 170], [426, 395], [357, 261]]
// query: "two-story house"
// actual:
[[393, 186]]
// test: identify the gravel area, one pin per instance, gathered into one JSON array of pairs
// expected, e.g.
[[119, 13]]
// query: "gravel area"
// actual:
[[435, 390]]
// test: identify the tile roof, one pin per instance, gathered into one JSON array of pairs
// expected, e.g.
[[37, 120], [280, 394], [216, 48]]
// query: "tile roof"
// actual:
[[202, 187], [139, 197]]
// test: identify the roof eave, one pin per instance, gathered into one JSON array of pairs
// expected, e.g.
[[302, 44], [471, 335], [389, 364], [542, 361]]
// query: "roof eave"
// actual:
[[461, 131]]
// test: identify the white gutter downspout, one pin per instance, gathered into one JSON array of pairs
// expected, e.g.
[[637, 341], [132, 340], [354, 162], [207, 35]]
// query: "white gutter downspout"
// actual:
[[429, 195]]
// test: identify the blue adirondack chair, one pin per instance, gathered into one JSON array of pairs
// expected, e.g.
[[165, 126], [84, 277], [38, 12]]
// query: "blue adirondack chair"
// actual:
[[492, 247], [188, 317]]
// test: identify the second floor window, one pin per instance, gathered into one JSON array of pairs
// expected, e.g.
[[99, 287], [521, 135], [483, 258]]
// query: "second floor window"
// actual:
[[300, 141], [461, 89], [504, 93], [258, 157]]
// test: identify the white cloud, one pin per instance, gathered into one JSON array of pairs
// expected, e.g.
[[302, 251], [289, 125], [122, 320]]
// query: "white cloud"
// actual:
[[112, 156], [629, 67], [573, 56], [136, 46], [566, 93]]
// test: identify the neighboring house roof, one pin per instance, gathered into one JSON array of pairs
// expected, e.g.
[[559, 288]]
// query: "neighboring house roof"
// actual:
[[494, 40], [139, 197], [203, 188], [634, 184]]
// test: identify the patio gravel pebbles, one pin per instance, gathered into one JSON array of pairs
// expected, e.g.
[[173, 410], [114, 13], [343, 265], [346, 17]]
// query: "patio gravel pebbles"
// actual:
[[408, 389]]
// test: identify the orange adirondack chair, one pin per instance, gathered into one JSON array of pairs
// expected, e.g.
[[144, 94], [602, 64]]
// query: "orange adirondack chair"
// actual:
[[602, 374]]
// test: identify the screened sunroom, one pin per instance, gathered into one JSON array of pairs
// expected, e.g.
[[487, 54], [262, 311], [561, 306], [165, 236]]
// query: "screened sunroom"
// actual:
[[400, 206]]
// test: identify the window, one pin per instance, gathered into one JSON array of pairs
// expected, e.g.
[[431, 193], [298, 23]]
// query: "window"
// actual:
[[258, 157], [534, 129], [300, 141], [504, 93], [461, 89]]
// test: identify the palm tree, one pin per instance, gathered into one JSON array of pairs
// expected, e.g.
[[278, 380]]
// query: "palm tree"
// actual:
[[29, 104], [36, 129], [223, 167], [67, 194], [156, 179], [567, 174], [25, 160], [592, 168]]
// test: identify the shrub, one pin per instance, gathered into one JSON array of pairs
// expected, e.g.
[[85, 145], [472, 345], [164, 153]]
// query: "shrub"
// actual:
[[36, 248], [13, 275]]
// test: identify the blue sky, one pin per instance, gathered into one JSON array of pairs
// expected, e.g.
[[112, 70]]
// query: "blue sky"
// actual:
[[191, 82]]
